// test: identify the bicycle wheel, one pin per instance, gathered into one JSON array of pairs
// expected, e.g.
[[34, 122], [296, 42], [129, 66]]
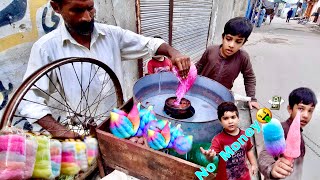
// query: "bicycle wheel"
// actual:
[[75, 91]]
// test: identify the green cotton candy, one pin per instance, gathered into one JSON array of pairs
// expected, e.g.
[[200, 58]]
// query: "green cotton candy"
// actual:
[[42, 167]]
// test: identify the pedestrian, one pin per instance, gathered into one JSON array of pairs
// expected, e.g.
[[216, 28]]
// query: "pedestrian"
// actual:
[[235, 167], [271, 17], [304, 100], [224, 62], [289, 14], [159, 63], [261, 16], [80, 36]]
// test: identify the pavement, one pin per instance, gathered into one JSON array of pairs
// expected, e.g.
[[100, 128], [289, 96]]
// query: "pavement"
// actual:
[[286, 56]]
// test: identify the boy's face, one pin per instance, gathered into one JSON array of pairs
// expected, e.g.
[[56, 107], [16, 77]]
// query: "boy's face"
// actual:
[[306, 113], [231, 44], [230, 121]]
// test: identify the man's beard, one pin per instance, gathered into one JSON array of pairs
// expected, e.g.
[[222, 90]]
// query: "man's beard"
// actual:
[[84, 28]]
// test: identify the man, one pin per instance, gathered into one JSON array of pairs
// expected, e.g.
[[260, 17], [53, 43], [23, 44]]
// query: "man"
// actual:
[[80, 36], [289, 14]]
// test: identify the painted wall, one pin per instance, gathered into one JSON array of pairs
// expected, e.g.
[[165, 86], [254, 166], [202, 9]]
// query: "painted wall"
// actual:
[[22, 22]]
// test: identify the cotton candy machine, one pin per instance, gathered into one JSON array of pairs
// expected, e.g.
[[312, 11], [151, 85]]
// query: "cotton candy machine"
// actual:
[[199, 108]]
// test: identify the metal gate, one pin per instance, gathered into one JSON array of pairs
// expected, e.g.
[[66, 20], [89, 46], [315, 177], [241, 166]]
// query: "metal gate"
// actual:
[[182, 23], [191, 21]]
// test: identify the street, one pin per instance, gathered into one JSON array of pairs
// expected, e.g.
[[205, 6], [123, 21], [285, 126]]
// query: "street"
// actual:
[[286, 56]]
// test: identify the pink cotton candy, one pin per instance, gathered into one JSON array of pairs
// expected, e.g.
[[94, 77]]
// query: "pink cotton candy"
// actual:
[[31, 151], [92, 152], [184, 84], [293, 140]]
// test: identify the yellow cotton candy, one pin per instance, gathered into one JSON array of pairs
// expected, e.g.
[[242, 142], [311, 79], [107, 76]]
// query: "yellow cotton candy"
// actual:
[[41, 173], [42, 167], [69, 168]]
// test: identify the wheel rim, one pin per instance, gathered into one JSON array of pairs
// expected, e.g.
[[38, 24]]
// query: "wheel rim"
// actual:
[[93, 102]]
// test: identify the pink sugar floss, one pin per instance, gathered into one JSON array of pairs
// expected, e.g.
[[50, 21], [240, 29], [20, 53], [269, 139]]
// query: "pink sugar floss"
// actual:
[[12, 154], [293, 140], [184, 84]]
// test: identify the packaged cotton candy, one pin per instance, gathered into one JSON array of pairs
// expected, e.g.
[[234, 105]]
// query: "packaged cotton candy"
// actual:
[[81, 155], [42, 167], [31, 152], [69, 164], [12, 154], [92, 149], [56, 154]]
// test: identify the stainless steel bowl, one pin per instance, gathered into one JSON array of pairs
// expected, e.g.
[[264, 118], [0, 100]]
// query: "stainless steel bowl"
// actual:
[[205, 96]]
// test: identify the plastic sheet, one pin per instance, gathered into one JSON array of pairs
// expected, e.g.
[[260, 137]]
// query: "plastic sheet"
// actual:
[[92, 149], [69, 164], [42, 167], [31, 152], [56, 155], [81, 155], [12, 154]]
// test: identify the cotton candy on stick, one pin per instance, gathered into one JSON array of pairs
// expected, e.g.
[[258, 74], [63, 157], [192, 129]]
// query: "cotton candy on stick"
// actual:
[[183, 144], [146, 116], [134, 117], [120, 126], [155, 140], [273, 136], [293, 140], [174, 133]]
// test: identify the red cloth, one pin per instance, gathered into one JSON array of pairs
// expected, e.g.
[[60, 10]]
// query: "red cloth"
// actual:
[[235, 168], [155, 66]]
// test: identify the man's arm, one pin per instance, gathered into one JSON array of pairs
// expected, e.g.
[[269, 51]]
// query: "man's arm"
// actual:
[[265, 163], [56, 129], [249, 81], [273, 169], [252, 160], [35, 109]]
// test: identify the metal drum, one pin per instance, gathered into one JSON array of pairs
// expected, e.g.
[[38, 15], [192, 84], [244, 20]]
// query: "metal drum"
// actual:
[[205, 96]]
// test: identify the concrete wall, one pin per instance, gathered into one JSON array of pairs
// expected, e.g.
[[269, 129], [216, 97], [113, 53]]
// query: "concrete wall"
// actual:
[[22, 22]]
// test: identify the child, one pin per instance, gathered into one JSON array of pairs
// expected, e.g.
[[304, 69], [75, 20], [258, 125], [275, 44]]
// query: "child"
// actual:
[[235, 167], [304, 100], [224, 62], [159, 63]]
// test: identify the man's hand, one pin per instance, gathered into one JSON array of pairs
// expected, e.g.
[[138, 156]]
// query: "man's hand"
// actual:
[[254, 104], [210, 153], [183, 63], [282, 168]]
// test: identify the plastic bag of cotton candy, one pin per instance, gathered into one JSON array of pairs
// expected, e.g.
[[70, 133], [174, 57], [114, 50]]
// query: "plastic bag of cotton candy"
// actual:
[[12, 153]]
